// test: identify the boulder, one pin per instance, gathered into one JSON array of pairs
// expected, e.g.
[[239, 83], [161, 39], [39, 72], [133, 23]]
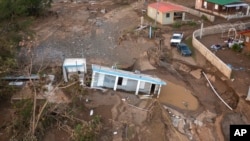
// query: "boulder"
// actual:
[[196, 73]]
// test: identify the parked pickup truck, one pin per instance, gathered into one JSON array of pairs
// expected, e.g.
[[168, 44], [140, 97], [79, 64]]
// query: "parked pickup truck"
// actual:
[[176, 39]]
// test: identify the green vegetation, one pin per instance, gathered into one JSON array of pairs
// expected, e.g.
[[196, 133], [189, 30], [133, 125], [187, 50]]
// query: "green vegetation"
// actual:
[[83, 132], [177, 24], [191, 23], [237, 47], [189, 43], [11, 9], [203, 17], [15, 18]]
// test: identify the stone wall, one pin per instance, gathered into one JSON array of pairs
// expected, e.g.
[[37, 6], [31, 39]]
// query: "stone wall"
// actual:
[[210, 56]]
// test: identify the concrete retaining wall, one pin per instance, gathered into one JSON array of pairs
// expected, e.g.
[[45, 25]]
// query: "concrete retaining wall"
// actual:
[[211, 57], [211, 18], [197, 13]]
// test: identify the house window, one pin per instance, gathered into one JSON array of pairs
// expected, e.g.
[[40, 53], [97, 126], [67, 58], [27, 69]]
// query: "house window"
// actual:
[[167, 15], [205, 4], [216, 6], [237, 7], [224, 8], [119, 81], [157, 13]]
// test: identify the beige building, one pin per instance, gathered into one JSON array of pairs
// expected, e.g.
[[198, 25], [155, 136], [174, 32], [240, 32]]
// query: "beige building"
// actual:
[[228, 9], [166, 13]]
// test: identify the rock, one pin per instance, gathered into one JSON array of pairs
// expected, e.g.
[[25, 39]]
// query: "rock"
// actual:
[[199, 123], [223, 78], [184, 68], [206, 115], [211, 77], [103, 11], [196, 73]]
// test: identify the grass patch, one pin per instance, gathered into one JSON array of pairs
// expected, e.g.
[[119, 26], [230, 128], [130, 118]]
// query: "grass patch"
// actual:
[[188, 41], [177, 24]]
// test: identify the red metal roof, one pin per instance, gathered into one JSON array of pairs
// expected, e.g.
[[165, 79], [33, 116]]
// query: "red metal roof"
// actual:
[[166, 7], [244, 32]]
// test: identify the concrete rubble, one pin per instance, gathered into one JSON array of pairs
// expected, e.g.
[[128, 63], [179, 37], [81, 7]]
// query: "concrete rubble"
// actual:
[[196, 73]]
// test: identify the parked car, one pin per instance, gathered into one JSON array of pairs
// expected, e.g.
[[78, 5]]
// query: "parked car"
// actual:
[[215, 47], [176, 39], [184, 49]]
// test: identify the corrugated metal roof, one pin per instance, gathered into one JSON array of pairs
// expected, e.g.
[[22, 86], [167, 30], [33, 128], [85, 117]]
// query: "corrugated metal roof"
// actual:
[[127, 74], [166, 7], [223, 2], [246, 32]]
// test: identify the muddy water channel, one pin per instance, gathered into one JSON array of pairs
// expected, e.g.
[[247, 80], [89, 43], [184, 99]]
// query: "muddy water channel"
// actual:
[[178, 96]]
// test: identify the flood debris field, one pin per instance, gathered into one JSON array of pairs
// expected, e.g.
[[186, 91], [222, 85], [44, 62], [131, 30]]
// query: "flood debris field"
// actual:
[[103, 32]]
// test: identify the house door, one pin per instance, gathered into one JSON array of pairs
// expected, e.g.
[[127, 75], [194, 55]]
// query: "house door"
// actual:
[[152, 88], [119, 82]]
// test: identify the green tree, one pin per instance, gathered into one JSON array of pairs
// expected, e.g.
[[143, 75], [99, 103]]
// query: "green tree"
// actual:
[[14, 8], [14, 21]]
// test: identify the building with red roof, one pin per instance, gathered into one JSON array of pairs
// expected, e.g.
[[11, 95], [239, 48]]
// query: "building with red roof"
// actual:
[[166, 13]]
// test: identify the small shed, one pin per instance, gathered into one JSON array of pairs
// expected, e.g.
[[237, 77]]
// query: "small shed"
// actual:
[[105, 77], [166, 13], [74, 66]]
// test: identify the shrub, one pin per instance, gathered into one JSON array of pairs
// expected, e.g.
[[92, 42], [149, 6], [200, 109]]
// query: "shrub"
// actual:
[[236, 47], [204, 17], [177, 25], [191, 23]]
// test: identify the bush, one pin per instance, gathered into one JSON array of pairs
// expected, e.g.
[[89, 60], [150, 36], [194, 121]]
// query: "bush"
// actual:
[[191, 23], [236, 47], [177, 25], [203, 17]]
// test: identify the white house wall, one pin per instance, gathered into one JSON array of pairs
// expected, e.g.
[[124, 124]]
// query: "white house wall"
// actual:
[[130, 86], [94, 81], [152, 14], [168, 20], [146, 88], [108, 81], [100, 79]]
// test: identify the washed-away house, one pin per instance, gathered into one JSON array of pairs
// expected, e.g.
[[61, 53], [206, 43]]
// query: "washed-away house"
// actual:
[[166, 13], [74, 66], [225, 8], [105, 77]]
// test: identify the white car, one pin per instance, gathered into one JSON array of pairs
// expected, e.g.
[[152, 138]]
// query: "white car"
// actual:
[[176, 39]]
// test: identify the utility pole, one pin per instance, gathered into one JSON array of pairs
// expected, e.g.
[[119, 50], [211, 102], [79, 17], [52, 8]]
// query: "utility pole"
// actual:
[[201, 30]]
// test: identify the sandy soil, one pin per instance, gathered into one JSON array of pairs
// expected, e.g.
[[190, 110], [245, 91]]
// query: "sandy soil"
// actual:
[[178, 96]]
